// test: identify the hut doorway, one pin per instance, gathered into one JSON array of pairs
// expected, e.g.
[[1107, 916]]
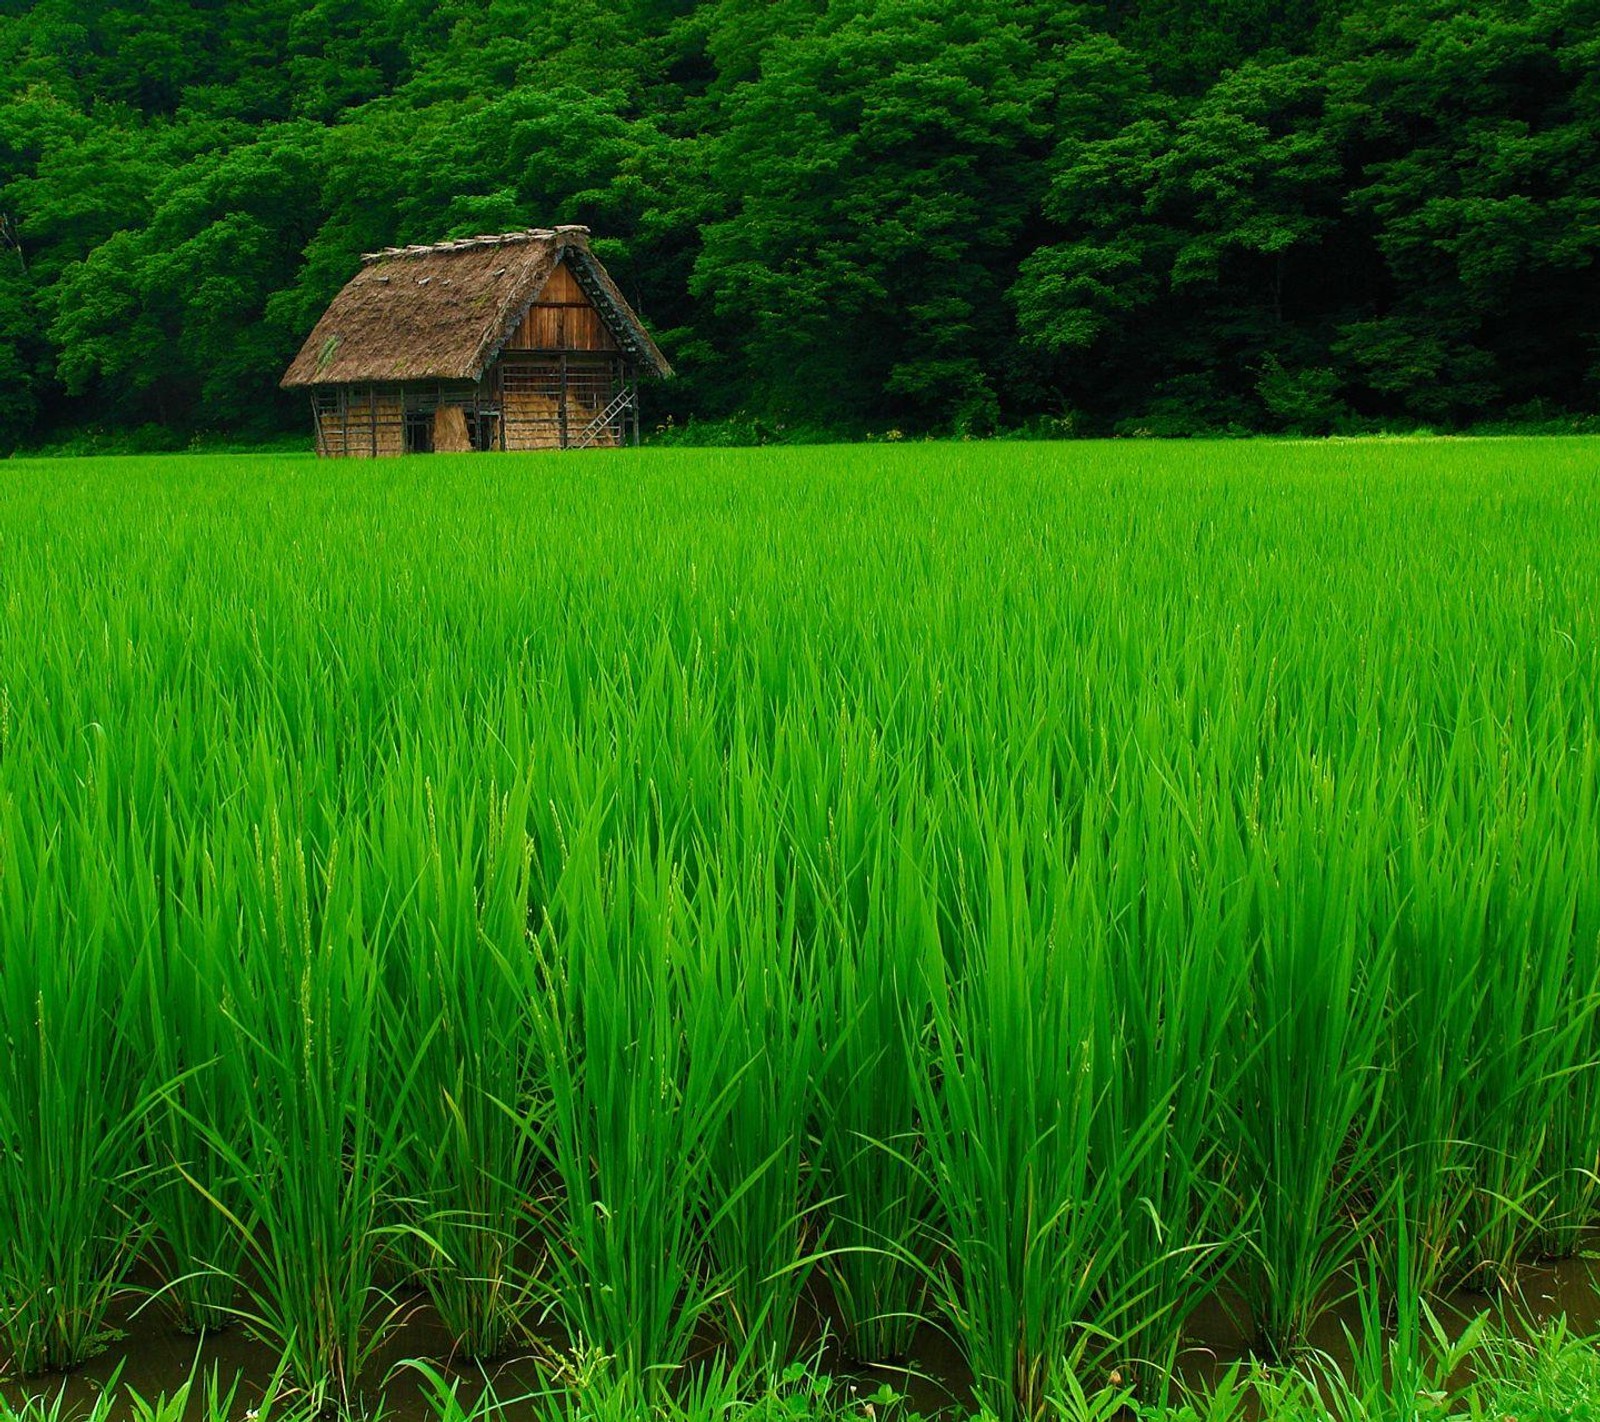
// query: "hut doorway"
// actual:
[[486, 429], [419, 432]]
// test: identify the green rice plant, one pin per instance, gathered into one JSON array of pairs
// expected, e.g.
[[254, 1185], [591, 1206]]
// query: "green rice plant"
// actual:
[[55, 1409], [1310, 1075], [1570, 1169], [1432, 1049], [1496, 1034], [455, 1031], [1567, 820], [1525, 1032], [1176, 992], [1570, 916], [750, 976], [1031, 1216], [215, 1403], [1503, 967], [873, 987], [585, 1386], [1279, 760], [1551, 1376], [321, 1144], [69, 1101], [638, 1092], [200, 1089]]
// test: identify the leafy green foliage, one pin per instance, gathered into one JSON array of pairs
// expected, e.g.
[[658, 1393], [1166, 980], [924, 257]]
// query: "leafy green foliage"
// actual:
[[1171, 217]]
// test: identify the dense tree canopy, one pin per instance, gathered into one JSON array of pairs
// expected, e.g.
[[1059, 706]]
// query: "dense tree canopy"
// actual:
[[839, 215]]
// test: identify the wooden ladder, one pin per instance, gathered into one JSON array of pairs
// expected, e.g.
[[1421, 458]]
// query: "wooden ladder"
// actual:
[[591, 431]]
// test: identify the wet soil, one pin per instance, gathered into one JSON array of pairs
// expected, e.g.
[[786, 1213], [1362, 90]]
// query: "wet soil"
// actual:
[[150, 1354]]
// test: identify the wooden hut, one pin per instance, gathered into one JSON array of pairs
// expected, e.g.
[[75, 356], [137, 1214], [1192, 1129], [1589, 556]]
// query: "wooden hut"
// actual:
[[517, 341]]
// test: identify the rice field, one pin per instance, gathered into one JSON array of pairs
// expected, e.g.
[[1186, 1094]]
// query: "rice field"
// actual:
[[655, 909]]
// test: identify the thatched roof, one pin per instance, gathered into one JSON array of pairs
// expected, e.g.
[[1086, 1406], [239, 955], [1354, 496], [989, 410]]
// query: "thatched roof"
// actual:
[[443, 312]]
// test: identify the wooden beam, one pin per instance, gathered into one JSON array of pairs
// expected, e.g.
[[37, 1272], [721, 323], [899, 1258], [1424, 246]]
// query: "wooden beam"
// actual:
[[491, 377], [562, 405]]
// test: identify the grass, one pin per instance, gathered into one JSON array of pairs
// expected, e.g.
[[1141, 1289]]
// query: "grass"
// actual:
[[639, 1071], [1549, 1376], [876, 1197], [664, 904], [322, 1137], [69, 1085], [456, 1024]]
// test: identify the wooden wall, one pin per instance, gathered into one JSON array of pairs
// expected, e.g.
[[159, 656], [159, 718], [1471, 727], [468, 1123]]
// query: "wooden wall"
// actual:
[[367, 421], [562, 318]]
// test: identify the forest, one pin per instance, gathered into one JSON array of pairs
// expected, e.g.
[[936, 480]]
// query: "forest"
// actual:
[[841, 218]]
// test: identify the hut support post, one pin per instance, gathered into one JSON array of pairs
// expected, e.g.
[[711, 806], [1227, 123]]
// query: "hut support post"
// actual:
[[562, 402], [633, 406], [344, 417], [372, 414], [316, 424]]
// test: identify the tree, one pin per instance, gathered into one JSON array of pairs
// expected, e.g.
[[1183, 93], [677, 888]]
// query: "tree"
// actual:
[[1475, 132], [884, 166], [20, 353], [176, 317], [1175, 215], [1195, 249]]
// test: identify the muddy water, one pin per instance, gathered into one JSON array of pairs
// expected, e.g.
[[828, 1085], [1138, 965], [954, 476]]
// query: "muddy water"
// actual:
[[154, 1356]]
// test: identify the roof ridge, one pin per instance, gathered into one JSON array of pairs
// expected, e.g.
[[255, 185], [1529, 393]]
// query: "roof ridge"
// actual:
[[571, 232]]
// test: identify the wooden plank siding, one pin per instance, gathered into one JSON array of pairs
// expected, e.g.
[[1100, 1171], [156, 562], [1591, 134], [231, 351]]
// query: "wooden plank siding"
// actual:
[[562, 318]]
